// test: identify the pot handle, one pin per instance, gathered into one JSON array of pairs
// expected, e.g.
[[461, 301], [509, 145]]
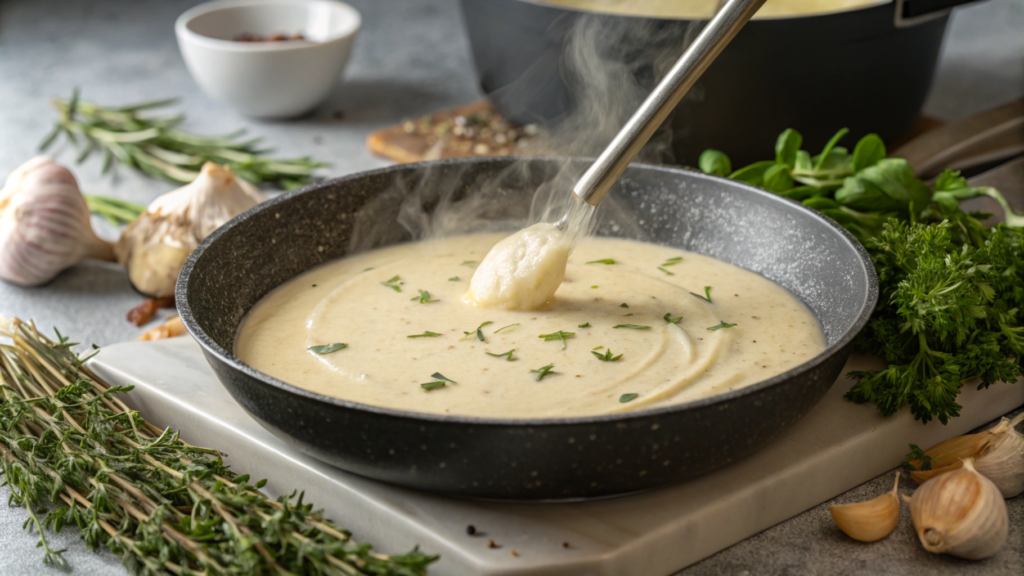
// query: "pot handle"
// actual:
[[913, 12]]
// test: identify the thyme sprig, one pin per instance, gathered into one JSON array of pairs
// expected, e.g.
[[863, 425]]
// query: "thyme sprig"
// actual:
[[153, 144], [71, 448]]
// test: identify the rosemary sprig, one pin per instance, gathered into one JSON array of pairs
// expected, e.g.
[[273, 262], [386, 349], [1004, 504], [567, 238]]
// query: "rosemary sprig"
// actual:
[[115, 210], [70, 447], [153, 144]]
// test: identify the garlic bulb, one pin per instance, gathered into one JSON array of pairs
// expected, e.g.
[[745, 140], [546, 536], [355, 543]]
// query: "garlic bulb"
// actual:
[[44, 224], [960, 513], [998, 455], [155, 246], [870, 520]]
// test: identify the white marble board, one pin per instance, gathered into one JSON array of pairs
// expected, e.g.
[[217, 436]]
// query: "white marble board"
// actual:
[[836, 447]]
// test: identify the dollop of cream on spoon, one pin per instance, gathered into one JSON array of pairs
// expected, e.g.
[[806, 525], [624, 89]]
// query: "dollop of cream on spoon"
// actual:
[[523, 271]]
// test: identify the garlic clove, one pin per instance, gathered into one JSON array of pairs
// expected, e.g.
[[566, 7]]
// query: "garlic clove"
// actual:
[[960, 513], [870, 520], [998, 454], [44, 224], [1003, 460], [155, 246]]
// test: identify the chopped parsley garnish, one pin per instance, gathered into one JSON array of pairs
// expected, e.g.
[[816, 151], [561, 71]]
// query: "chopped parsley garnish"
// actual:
[[470, 263], [587, 325], [428, 386], [594, 286], [454, 279], [724, 324], [707, 294], [627, 397], [604, 261], [633, 326], [424, 297], [560, 335], [440, 376], [367, 269], [479, 333], [393, 283], [623, 305], [665, 271], [673, 261], [504, 327], [543, 371], [427, 334], [668, 318], [607, 356], [507, 355], [327, 348]]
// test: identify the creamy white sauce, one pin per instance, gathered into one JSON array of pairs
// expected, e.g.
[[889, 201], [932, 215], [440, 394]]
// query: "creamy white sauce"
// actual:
[[352, 301]]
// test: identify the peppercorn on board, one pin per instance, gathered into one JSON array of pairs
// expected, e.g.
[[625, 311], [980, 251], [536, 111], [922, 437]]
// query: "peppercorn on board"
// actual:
[[839, 445]]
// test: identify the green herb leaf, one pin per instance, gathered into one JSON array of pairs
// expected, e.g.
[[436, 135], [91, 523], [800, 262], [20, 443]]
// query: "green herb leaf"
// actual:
[[439, 376], [714, 162], [427, 334], [627, 397], [824, 156], [470, 263], [607, 356], [478, 332], [672, 261], [424, 297], [604, 261], [508, 355], [327, 348], [869, 151], [595, 286], [917, 460], [560, 335], [453, 279], [668, 318], [623, 305], [753, 174], [393, 283], [633, 326], [707, 294], [428, 386], [786, 147], [506, 327], [723, 324], [587, 325], [665, 271], [544, 371]]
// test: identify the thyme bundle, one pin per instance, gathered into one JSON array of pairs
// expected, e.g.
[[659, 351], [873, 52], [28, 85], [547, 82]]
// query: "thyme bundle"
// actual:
[[69, 445], [153, 144]]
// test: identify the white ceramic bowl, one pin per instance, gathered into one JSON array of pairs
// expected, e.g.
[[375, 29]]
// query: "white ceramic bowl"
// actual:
[[267, 79]]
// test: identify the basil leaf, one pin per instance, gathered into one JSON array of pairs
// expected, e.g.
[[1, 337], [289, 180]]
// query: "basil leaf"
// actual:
[[714, 162], [787, 146], [777, 179], [868, 152], [753, 174]]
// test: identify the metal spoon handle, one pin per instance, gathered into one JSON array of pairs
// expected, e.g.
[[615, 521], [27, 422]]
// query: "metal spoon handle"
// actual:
[[599, 178]]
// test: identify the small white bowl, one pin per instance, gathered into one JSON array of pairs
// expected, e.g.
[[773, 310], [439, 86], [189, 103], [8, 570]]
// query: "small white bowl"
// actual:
[[267, 79]]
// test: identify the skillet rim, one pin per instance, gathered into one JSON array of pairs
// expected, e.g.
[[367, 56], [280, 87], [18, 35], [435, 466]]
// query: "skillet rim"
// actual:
[[228, 358]]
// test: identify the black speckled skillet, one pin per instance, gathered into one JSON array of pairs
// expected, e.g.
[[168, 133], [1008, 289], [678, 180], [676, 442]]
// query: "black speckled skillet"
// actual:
[[545, 458]]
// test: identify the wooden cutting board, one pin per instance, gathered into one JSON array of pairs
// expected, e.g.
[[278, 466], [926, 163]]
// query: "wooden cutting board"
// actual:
[[836, 447]]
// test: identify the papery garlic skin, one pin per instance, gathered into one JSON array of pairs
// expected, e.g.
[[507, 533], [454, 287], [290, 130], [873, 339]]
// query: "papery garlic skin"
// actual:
[[1003, 461], [998, 455], [960, 513], [871, 520], [44, 224], [155, 246]]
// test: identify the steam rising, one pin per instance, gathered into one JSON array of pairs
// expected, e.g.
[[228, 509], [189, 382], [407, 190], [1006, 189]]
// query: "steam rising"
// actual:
[[610, 64]]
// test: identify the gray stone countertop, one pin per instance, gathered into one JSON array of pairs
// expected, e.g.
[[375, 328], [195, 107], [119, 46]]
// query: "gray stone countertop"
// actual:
[[411, 58]]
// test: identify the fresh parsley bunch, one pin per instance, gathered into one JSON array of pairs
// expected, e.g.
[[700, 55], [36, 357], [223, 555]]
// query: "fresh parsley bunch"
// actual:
[[951, 289]]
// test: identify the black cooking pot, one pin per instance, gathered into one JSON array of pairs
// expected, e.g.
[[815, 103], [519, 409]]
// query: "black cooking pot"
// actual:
[[550, 458], [867, 69]]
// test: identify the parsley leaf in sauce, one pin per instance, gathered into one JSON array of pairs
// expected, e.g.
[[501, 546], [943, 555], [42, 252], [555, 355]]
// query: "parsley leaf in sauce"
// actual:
[[427, 334], [506, 355], [504, 327], [673, 261], [560, 335], [393, 283], [627, 397], [424, 297], [633, 326], [607, 356], [604, 261], [544, 371], [668, 318], [724, 324], [666, 271]]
